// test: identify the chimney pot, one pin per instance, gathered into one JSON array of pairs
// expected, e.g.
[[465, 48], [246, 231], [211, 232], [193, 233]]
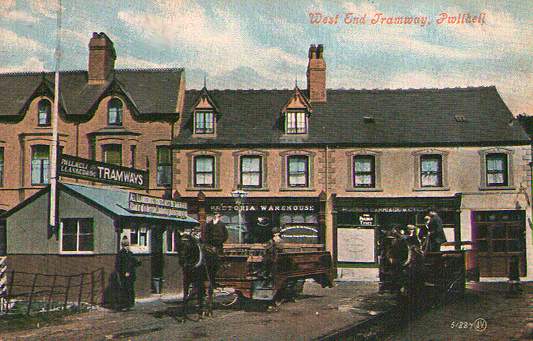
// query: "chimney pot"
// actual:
[[320, 51], [101, 58], [312, 51]]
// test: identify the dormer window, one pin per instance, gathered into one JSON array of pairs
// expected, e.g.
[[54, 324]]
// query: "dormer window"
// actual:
[[296, 122], [45, 109], [114, 112], [204, 122]]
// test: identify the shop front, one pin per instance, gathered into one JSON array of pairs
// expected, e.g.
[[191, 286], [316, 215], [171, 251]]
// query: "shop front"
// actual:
[[251, 220], [357, 223], [91, 223]]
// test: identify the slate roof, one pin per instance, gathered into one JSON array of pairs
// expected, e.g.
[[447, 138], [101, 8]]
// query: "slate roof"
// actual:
[[111, 200], [148, 91], [116, 201], [451, 116]]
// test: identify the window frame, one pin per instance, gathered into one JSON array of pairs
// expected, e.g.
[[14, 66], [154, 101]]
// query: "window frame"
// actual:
[[44, 106], [44, 164], [204, 129], [160, 166], [116, 104], [306, 170], [212, 172], [439, 173], [372, 172], [296, 128], [2, 165], [504, 171], [77, 251], [109, 146], [258, 172], [135, 247], [171, 234]]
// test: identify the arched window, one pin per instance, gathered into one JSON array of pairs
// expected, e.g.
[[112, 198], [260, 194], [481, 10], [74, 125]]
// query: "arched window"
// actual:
[[45, 109], [114, 112]]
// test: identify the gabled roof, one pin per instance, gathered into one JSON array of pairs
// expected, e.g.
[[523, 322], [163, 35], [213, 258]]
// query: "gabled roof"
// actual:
[[150, 91], [424, 117], [204, 94], [298, 96]]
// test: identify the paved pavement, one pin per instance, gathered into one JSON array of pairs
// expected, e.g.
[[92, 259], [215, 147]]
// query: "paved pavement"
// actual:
[[505, 317], [317, 312]]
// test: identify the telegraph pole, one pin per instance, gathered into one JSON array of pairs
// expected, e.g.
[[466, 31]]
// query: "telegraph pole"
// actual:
[[55, 122]]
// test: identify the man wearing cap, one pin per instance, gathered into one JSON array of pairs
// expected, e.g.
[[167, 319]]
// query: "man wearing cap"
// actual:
[[125, 267], [216, 235], [436, 231]]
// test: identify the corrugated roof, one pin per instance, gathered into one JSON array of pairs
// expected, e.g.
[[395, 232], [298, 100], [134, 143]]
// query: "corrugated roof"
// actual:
[[399, 117], [117, 201], [151, 91]]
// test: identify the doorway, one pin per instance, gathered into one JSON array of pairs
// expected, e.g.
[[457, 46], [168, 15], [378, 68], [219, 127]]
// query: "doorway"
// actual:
[[157, 258], [498, 236]]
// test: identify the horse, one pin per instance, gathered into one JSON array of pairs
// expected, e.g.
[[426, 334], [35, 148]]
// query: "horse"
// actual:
[[403, 267], [401, 253], [199, 269]]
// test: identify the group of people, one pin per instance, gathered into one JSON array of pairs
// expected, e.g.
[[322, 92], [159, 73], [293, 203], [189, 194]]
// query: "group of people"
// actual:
[[429, 237], [215, 236]]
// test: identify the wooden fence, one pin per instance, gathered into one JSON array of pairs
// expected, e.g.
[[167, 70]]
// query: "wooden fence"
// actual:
[[47, 291]]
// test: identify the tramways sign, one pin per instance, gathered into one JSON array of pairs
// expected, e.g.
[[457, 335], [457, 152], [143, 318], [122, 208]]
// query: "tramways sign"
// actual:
[[79, 168]]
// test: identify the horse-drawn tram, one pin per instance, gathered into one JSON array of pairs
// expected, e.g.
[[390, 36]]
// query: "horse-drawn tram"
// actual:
[[273, 271], [419, 276], [264, 272]]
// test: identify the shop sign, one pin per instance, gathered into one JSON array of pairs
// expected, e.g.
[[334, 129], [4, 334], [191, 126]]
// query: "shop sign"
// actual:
[[79, 168], [141, 203], [366, 219], [388, 209], [263, 208]]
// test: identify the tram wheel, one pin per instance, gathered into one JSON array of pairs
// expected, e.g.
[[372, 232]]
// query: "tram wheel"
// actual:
[[226, 296]]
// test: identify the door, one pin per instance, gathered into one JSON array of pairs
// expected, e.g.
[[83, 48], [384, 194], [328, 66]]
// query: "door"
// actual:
[[157, 259], [498, 236]]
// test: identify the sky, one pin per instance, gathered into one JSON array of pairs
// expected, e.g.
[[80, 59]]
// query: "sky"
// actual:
[[260, 44]]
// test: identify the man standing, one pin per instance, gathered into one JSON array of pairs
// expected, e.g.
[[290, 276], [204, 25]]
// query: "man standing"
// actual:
[[125, 267], [436, 231], [216, 235]]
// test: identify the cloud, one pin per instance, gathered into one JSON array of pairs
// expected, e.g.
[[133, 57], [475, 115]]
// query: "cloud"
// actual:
[[124, 61], [501, 33], [361, 9], [14, 44], [45, 8], [29, 64], [22, 16], [397, 38], [6, 5], [217, 42]]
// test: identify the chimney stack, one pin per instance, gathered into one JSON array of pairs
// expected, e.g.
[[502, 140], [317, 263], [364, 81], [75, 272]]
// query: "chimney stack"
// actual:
[[101, 58], [316, 74]]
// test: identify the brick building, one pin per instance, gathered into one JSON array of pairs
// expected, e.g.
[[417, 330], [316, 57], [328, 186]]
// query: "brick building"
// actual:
[[333, 166], [124, 117]]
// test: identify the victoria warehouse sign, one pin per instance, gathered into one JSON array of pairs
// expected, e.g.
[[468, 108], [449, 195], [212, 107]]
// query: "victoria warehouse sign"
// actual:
[[76, 167]]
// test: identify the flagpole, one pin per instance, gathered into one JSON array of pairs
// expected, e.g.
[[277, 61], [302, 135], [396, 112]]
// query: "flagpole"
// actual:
[[55, 119]]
